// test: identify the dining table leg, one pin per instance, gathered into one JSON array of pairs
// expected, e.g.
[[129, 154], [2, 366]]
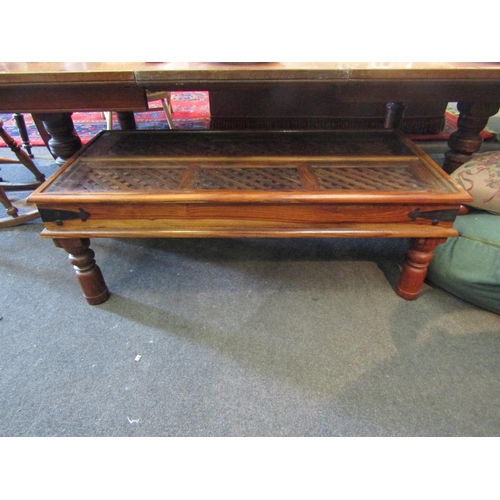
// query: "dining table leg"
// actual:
[[467, 139], [126, 120], [64, 141]]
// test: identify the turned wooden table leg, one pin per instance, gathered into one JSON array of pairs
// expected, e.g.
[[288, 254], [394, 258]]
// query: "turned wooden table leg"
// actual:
[[394, 114], [126, 120], [418, 258], [467, 139], [64, 141], [88, 273]]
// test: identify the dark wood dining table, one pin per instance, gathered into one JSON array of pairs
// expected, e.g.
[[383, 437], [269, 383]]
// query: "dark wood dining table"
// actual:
[[52, 91]]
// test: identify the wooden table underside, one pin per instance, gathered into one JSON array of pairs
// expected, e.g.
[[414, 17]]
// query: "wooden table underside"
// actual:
[[242, 184], [54, 90]]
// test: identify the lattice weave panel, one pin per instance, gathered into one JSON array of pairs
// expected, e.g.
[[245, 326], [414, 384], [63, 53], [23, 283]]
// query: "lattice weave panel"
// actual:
[[268, 179], [132, 179], [367, 178], [92, 178]]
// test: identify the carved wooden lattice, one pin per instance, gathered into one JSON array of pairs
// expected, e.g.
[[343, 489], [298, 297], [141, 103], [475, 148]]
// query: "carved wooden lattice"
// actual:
[[153, 178], [305, 162], [367, 178], [269, 179], [147, 179]]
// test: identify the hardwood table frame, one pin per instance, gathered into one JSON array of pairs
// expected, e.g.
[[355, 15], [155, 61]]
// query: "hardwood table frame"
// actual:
[[273, 184]]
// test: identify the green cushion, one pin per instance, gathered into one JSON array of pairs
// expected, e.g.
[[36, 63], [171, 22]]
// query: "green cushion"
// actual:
[[469, 266]]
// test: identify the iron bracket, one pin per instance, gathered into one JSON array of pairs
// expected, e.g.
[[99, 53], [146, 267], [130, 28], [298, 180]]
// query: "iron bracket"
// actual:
[[437, 216], [58, 216]]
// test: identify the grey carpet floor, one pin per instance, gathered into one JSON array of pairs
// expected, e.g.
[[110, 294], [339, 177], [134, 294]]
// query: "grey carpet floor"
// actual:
[[238, 338]]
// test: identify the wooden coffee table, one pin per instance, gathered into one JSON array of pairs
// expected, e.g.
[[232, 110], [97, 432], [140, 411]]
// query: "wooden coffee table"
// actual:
[[167, 184]]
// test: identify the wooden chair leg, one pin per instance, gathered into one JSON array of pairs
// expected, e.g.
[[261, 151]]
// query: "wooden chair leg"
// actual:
[[164, 98], [11, 209], [108, 116], [23, 132], [167, 107], [18, 212], [21, 155]]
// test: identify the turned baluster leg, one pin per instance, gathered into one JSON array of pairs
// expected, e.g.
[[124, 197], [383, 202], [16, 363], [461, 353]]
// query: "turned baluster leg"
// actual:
[[88, 273], [467, 139], [64, 141], [418, 258], [394, 113], [23, 132], [126, 120]]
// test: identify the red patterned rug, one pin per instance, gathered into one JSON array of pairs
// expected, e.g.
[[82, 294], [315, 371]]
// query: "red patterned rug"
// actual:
[[190, 110]]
